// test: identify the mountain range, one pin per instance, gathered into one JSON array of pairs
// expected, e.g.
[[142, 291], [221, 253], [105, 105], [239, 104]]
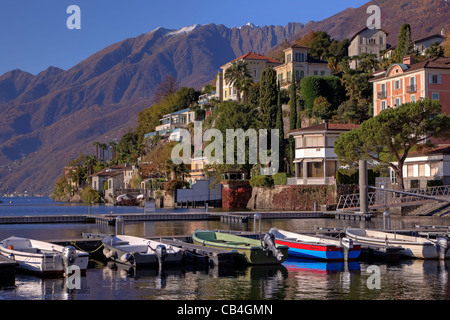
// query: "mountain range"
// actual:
[[52, 117]]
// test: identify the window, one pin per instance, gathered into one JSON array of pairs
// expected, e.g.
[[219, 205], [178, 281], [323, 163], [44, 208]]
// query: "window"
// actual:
[[435, 96], [316, 73], [331, 141], [397, 102], [255, 73], [289, 76], [314, 141], [297, 75], [422, 170], [435, 79], [383, 105], [302, 74], [413, 98], [381, 40], [397, 84], [410, 170], [280, 78], [298, 143], [288, 58], [299, 57], [322, 73], [412, 85]]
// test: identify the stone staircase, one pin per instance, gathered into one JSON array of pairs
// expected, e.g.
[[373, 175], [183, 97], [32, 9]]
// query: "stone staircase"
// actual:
[[435, 208]]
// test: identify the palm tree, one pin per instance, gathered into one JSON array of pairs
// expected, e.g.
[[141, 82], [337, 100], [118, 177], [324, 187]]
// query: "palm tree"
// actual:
[[97, 146], [238, 75], [103, 147], [113, 146], [435, 50]]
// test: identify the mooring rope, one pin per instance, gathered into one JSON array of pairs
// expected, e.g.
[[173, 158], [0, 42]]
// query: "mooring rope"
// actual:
[[74, 244]]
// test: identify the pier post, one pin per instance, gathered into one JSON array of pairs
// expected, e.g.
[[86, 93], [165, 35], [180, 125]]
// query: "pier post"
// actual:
[[119, 225], [387, 220], [257, 216], [363, 187]]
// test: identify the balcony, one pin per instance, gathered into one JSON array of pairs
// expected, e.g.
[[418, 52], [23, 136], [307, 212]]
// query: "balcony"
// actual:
[[411, 89], [382, 95]]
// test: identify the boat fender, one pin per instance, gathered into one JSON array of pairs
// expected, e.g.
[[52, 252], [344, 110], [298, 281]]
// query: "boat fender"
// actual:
[[126, 257], [109, 253], [69, 255], [11, 247], [442, 246], [347, 243]]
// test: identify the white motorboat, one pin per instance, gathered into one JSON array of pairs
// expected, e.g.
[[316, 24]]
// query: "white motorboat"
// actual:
[[43, 257], [412, 247], [138, 252]]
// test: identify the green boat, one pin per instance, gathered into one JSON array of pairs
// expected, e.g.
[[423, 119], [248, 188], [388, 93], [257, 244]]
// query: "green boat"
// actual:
[[250, 251]]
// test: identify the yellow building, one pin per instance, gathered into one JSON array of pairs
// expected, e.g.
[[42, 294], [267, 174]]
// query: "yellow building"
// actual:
[[255, 63], [298, 61]]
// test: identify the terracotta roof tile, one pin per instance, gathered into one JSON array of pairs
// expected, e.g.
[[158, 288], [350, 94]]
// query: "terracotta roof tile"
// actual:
[[328, 127], [255, 56]]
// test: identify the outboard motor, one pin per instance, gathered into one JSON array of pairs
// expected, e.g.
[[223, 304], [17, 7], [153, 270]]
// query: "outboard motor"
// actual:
[[269, 245], [442, 247], [161, 252], [347, 245], [69, 255]]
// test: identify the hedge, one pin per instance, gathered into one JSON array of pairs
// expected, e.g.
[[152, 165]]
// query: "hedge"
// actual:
[[261, 181], [280, 179]]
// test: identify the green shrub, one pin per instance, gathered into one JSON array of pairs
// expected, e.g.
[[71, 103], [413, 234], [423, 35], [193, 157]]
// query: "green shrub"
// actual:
[[435, 183], [89, 195], [280, 179], [261, 181]]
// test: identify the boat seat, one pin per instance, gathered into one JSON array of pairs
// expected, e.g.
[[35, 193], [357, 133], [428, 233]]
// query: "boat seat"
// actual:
[[28, 250], [134, 248], [120, 243]]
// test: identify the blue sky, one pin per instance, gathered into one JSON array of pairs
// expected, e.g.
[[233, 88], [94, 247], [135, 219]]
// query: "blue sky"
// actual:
[[34, 35]]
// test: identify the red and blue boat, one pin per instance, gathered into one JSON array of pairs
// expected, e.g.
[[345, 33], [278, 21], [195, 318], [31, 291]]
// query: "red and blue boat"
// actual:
[[316, 247]]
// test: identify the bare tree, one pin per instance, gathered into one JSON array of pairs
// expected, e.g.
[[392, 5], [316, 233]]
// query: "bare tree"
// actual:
[[167, 87]]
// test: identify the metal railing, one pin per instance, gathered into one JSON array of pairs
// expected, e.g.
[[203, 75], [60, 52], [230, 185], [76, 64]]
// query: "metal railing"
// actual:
[[385, 197], [382, 94]]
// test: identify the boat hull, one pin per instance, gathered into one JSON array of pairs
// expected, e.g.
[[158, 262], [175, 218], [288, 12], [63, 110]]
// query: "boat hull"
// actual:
[[40, 257], [314, 247], [137, 252], [319, 252], [249, 251], [411, 247]]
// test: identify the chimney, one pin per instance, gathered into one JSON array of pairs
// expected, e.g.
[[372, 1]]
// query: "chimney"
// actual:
[[408, 60]]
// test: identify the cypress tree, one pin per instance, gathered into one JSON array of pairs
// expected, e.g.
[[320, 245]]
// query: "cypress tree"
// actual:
[[280, 127], [405, 45], [295, 123], [293, 105], [268, 99]]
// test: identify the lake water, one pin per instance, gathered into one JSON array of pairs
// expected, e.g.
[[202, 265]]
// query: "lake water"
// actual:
[[292, 281]]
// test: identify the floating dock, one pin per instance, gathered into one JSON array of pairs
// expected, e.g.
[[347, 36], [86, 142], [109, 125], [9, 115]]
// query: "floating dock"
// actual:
[[110, 219]]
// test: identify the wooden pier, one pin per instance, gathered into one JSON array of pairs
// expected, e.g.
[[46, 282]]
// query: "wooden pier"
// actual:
[[351, 215], [110, 219]]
